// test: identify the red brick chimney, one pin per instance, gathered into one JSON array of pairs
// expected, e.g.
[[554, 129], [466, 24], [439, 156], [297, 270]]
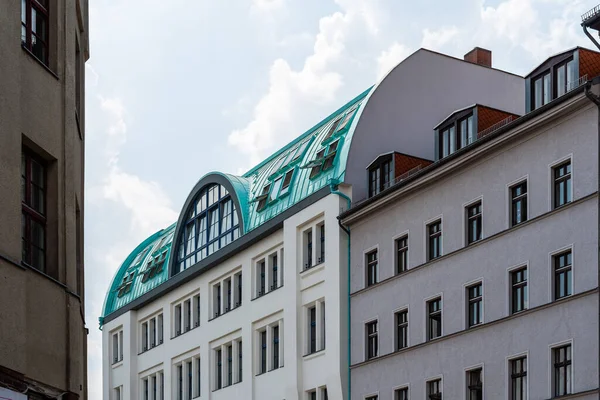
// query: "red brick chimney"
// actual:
[[479, 56]]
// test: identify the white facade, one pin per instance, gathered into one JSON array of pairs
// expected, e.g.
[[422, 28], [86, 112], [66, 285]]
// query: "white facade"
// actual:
[[282, 311]]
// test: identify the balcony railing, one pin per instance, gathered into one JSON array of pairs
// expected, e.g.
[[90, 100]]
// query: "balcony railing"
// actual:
[[496, 126], [590, 14]]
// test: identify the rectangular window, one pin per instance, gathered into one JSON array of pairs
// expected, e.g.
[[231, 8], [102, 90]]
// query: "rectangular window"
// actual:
[[542, 91], [275, 352], [274, 272], [434, 389], [219, 368], [562, 184], [196, 310], [321, 252], [562, 370], [312, 395], [401, 329], [263, 352], [401, 254], [180, 382], [374, 397], [228, 293], [434, 318], [35, 27], [187, 315], [308, 248], [447, 141], [324, 394], [401, 394], [386, 174], [287, 179], [190, 379], [33, 217], [381, 176], [146, 388], [475, 384], [240, 363], [238, 300], [475, 305], [474, 222], [518, 379], [217, 299], [230, 365], [312, 329], [564, 78], [371, 268], [374, 181], [144, 336], [519, 295], [372, 340], [117, 346], [563, 275], [434, 243], [262, 278], [518, 207], [178, 319], [117, 392], [160, 328], [466, 132]]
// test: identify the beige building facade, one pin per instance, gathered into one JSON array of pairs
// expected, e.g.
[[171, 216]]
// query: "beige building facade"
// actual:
[[43, 335]]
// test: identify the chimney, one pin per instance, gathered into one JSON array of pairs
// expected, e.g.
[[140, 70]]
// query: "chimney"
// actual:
[[479, 56]]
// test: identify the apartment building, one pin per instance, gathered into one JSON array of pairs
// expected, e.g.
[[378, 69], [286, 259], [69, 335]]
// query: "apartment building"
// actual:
[[246, 295], [477, 276], [43, 47]]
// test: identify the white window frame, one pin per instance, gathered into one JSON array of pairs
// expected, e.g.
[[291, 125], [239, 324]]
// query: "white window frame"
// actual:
[[551, 348], [509, 186], [426, 314], [551, 166], [159, 339], [551, 274], [193, 317], [118, 332], [182, 361], [394, 239], [320, 327], [366, 264], [406, 308], [267, 258], [465, 301], [466, 384], [507, 363], [465, 226], [509, 272], [365, 323], [426, 236]]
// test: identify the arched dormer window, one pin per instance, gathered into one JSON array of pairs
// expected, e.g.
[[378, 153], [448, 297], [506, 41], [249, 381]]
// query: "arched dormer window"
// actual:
[[212, 222]]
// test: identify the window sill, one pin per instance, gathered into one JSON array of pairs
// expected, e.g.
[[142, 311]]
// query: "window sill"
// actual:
[[225, 312], [313, 269], [270, 291], [316, 354], [221, 388], [40, 62], [182, 333], [275, 369], [153, 347], [117, 364]]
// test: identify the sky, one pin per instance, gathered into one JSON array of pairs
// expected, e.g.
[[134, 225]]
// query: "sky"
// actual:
[[176, 89]]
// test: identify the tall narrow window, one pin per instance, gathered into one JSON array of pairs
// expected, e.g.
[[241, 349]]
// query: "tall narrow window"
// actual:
[[217, 300], [144, 336], [401, 394], [518, 207], [518, 379], [474, 223], [386, 175], [312, 395], [401, 254], [180, 381], [466, 132], [447, 141], [190, 383], [371, 268], [187, 308], [240, 363], [262, 278], [475, 305], [160, 328], [308, 248], [562, 184], [372, 340], [381, 176], [34, 27], [196, 310], [542, 91], [322, 303], [115, 347], [275, 352], [33, 218], [563, 275], [434, 243], [312, 329], [401, 329], [230, 364], [263, 352], [219, 368], [228, 294], [519, 295], [118, 393], [475, 384], [434, 389], [562, 370], [434, 318], [198, 376], [153, 332], [374, 181], [274, 272], [321, 243], [324, 394], [239, 290]]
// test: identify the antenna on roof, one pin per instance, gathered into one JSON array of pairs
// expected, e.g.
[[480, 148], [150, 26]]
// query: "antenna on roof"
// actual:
[[591, 19]]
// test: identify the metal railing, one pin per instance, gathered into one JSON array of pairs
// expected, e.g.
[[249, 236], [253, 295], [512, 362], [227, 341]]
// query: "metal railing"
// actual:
[[496, 126], [576, 83], [592, 13], [394, 181]]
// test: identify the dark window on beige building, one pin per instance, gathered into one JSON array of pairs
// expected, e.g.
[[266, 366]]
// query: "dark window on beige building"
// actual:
[[33, 221], [34, 27]]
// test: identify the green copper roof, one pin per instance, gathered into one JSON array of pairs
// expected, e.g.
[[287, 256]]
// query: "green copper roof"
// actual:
[[312, 160]]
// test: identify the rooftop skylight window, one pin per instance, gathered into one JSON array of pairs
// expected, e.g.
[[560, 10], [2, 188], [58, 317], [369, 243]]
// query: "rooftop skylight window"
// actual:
[[126, 284], [346, 120], [300, 150], [275, 189], [262, 198], [316, 164], [332, 128], [331, 152], [287, 179], [154, 266]]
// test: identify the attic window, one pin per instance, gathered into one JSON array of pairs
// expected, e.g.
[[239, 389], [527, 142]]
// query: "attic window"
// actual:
[[316, 164], [262, 198], [125, 286], [331, 152], [287, 179], [333, 128], [154, 267], [346, 119], [300, 150], [275, 190]]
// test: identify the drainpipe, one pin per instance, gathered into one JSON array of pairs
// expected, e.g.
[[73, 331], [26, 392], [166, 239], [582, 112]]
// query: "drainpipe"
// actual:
[[596, 100], [588, 34], [333, 187]]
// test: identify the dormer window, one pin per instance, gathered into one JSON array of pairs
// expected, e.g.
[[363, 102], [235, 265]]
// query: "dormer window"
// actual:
[[262, 198], [565, 74], [275, 190], [287, 179], [331, 152], [316, 164], [542, 90], [380, 176], [458, 134], [333, 128]]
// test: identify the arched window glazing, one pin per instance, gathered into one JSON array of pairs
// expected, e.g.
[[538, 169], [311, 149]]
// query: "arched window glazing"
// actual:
[[211, 223]]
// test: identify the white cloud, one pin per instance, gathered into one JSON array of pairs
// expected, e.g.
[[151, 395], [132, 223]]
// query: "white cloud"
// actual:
[[391, 57], [435, 39]]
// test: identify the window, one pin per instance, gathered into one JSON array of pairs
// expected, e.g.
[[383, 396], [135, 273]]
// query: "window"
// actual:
[[562, 184], [211, 223], [226, 294], [563, 275], [434, 243], [542, 91], [34, 27], [275, 355], [274, 271], [321, 243], [219, 368], [401, 254], [518, 207], [565, 77], [380, 176], [518, 378], [519, 296], [33, 218], [374, 397], [229, 350], [275, 189], [331, 152], [188, 378], [371, 268], [434, 318], [118, 393], [447, 141], [270, 352], [332, 128], [227, 364], [474, 223], [466, 132], [268, 273], [117, 346], [475, 384], [312, 395], [186, 315], [308, 248], [372, 340], [562, 370], [401, 394], [262, 198], [315, 317], [152, 334], [434, 389], [262, 278], [316, 164], [401, 329], [456, 135], [475, 305], [287, 179], [153, 386], [240, 361], [263, 352], [324, 394]]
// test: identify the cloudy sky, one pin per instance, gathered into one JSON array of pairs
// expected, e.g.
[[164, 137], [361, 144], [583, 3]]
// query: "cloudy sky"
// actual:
[[178, 88]]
